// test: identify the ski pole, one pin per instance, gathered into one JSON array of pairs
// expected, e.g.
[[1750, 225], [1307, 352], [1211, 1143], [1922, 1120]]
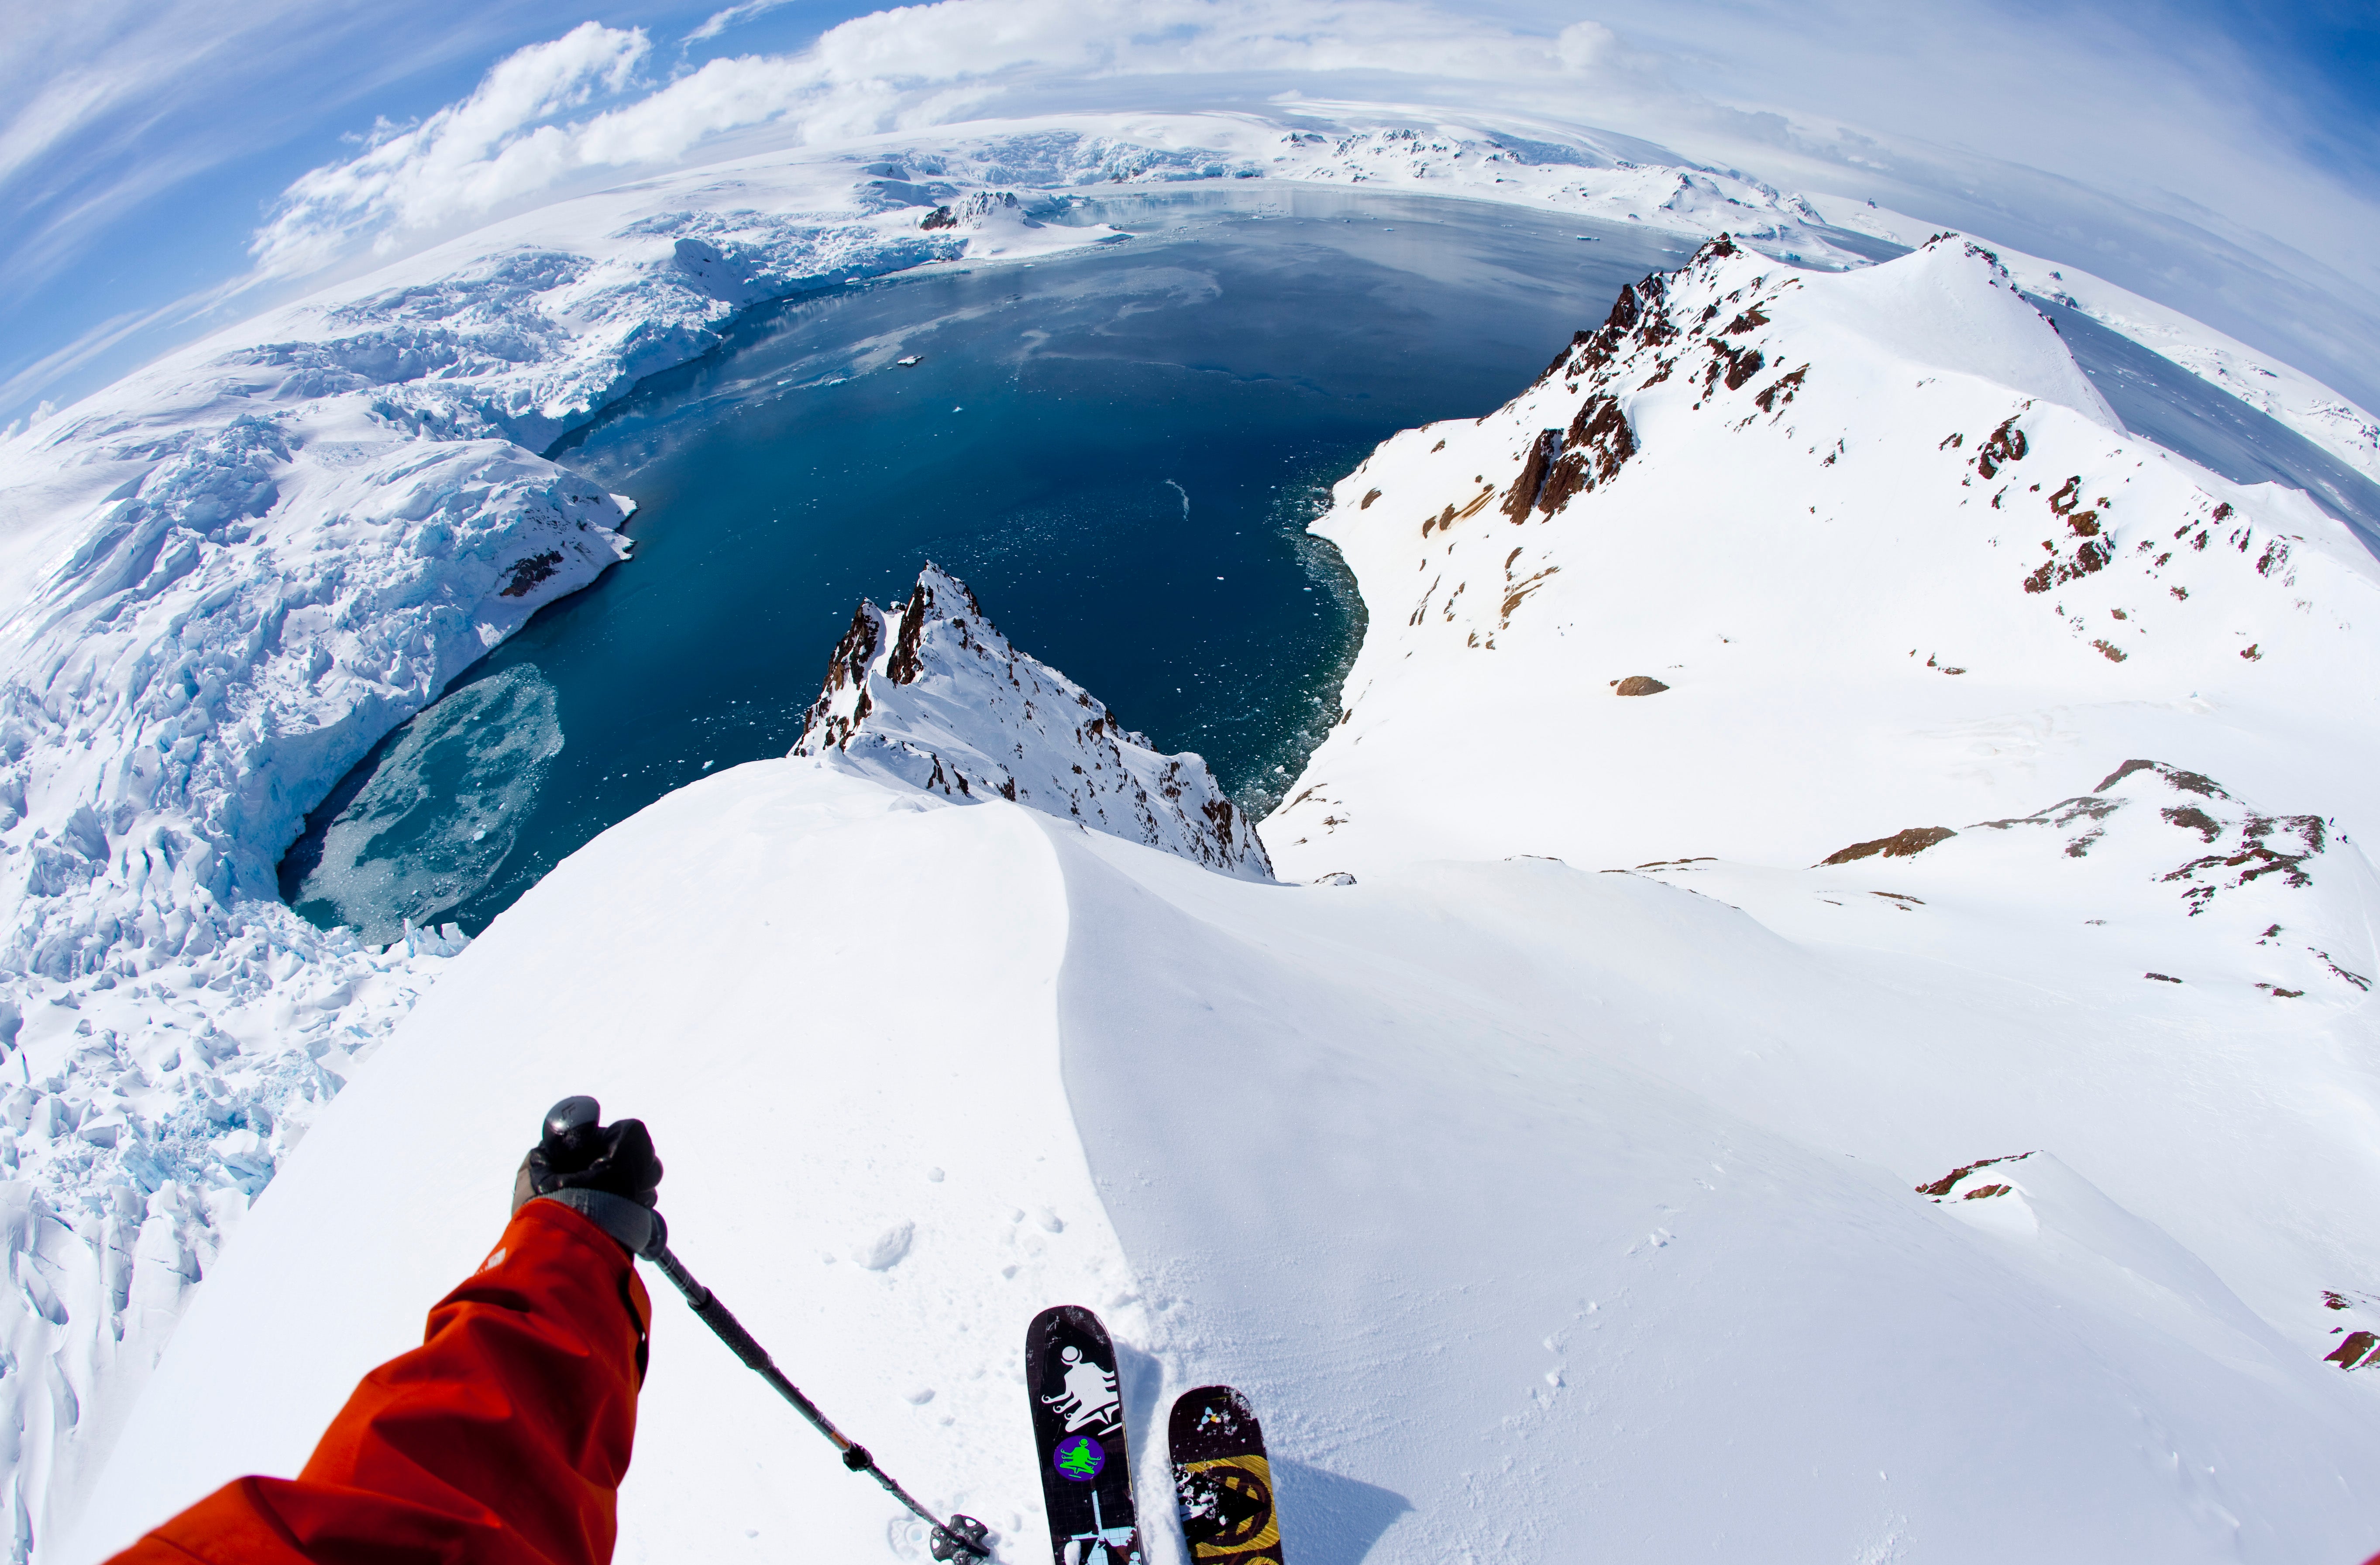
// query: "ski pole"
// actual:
[[961, 1537]]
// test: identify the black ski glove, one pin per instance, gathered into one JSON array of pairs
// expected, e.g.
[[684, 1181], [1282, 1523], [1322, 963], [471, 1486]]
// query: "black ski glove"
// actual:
[[608, 1173]]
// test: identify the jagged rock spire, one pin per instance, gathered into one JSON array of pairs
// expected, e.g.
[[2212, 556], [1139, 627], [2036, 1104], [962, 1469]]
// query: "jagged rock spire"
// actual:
[[931, 695]]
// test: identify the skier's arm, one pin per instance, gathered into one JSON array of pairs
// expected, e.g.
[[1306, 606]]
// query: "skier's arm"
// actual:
[[501, 1439]]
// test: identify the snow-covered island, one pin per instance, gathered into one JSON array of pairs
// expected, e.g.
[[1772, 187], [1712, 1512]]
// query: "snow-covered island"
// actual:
[[1816, 1000]]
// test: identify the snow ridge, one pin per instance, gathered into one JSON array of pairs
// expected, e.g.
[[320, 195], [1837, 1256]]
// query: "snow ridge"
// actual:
[[2279, 391], [931, 694]]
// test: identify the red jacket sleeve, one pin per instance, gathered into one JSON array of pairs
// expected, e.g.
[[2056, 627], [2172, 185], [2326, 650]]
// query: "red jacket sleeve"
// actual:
[[500, 1441]]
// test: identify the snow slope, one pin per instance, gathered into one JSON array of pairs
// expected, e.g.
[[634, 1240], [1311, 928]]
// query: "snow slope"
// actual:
[[1527, 1236]]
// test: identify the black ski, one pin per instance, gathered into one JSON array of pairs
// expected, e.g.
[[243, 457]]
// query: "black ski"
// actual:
[[1222, 1482], [1070, 1370]]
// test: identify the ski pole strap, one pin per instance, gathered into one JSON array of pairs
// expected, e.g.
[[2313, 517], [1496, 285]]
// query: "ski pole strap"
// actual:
[[960, 1537]]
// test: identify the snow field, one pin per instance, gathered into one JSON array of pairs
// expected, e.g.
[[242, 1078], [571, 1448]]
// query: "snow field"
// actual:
[[1571, 1265], [1526, 1234]]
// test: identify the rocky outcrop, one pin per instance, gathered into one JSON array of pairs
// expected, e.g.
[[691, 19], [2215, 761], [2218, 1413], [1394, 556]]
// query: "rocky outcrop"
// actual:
[[1900, 845], [933, 696]]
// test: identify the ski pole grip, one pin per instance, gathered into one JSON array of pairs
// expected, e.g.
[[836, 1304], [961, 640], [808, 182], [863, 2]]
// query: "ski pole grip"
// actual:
[[731, 1331], [711, 1312]]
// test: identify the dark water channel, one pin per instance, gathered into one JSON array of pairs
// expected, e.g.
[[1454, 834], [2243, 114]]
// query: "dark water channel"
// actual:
[[1118, 450]]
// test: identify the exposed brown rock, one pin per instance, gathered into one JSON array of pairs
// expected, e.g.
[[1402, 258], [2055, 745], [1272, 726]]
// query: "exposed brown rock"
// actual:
[[2355, 1352], [2123, 771], [1780, 391], [1600, 435], [904, 665], [1942, 1187], [528, 572], [1640, 684], [1540, 461], [1904, 843], [2007, 445]]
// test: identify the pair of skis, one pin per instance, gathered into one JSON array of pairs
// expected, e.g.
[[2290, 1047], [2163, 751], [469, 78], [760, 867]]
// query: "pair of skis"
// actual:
[[1221, 1483]]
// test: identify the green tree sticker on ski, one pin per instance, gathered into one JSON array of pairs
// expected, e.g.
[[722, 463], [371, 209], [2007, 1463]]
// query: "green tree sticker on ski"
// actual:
[[1079, 1459]]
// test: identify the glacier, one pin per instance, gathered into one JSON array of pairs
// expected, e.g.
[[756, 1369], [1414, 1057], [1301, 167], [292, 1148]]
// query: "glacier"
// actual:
[[1770, 492]]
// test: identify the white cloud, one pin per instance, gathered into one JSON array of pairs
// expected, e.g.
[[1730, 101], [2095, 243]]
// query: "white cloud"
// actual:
[[894, 69], [495, 146], [734, 16]]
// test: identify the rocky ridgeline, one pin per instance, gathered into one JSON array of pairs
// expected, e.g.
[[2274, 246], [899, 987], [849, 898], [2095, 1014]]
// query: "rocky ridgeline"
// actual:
[[933, 696]]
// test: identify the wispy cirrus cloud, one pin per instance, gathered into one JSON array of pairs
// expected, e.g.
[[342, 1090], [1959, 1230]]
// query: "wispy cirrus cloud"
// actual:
[[517, 136], [718, 22]]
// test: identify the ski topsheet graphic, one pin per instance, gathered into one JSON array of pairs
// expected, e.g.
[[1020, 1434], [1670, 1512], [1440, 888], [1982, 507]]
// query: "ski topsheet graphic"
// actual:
[[1222, 1482], [1070, 1370]]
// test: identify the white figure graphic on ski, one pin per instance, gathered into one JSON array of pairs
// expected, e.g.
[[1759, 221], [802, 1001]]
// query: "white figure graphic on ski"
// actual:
[[1089, 1398]]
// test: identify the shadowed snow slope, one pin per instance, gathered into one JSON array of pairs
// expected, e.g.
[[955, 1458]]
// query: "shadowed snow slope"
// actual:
[[931, 695], [1529, 1236]]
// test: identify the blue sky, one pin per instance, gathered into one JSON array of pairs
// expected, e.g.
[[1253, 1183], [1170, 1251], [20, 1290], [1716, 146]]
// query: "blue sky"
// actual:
[[2224, 157]]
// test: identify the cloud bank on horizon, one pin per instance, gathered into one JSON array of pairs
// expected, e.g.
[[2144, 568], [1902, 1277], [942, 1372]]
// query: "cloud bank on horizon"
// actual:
[[2193, 172]]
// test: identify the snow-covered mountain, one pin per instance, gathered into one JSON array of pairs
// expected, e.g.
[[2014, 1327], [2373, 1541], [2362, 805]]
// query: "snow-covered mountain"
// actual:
[[1876, 552], [912, 693], [1775, 561]]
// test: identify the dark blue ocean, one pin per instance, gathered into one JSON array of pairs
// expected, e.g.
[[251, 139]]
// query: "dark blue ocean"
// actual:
[[1118, 450]]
